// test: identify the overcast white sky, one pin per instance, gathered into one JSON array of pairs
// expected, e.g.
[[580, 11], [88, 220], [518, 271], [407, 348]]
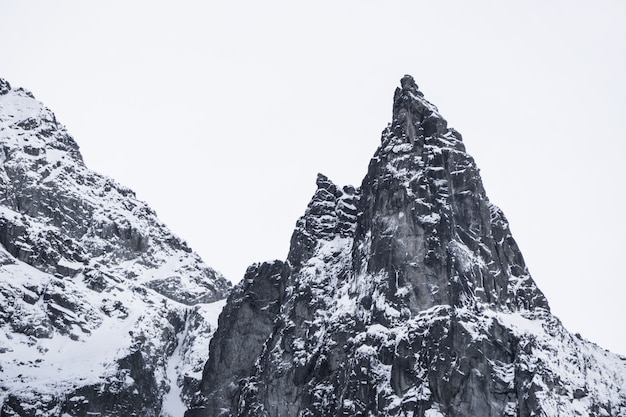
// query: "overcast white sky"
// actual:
[[220, 115]]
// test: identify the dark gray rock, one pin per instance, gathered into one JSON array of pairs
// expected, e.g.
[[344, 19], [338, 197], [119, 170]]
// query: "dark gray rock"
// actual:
[[426, 218], [5, 87], [244, 325], [405, 297], [331, 212]]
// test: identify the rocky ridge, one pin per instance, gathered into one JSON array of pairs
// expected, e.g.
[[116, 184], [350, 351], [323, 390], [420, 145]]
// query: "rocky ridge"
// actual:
[[102, 308], [405, 297]]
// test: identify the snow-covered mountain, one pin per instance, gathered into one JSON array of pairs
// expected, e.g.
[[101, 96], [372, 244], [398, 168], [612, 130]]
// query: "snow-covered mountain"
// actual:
[[103, 310], [407, 296]]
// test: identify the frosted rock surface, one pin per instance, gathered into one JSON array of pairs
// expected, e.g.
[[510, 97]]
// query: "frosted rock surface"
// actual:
[[407, 296], [96, 293]]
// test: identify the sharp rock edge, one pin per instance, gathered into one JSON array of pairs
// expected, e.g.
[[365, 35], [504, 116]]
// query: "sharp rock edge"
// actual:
[[103, 310], [407, 296]]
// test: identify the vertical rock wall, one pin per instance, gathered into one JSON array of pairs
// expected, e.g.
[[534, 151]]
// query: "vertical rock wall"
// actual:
[[405, 297]]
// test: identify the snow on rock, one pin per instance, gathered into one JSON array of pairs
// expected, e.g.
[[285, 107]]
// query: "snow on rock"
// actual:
[[407, 296], [102, 308]]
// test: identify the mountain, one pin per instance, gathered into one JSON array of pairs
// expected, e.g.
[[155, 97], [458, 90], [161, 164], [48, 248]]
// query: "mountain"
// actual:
[[103, 310], [407, 296]]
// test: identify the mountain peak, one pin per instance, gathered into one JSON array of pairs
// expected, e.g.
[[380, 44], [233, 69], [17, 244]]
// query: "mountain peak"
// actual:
[[94, 288], [408, 83], [407, 296], [331, 213], [33, 134], [415, 118], [5, 87], [428, 223]]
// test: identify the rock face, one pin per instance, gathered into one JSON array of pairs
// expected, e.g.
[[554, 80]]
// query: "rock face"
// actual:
[[405, 297], [102, 308]]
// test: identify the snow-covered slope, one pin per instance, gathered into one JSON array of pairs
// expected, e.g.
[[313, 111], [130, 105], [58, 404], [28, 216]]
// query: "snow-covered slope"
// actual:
[[405, 297], [102, 308]]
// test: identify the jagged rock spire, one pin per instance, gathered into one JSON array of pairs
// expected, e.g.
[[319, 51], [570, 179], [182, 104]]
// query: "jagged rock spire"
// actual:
[[413, 116], [427, 222], [331, 213], [5, 87], [401, 297]]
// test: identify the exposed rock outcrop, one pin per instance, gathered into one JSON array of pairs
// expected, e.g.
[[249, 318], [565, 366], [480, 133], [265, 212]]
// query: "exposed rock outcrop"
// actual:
[[405, 297], [99, 300]]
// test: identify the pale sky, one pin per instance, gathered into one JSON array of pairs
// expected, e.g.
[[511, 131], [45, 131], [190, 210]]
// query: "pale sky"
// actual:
[[220, 115]]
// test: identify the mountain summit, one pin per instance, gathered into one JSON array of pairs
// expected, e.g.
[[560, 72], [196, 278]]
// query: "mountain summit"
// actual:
[[404, 297], [101, 305], [407, 296]]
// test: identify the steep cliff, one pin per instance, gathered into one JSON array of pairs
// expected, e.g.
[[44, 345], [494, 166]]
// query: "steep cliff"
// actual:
[[405, 297], [102, 308]]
